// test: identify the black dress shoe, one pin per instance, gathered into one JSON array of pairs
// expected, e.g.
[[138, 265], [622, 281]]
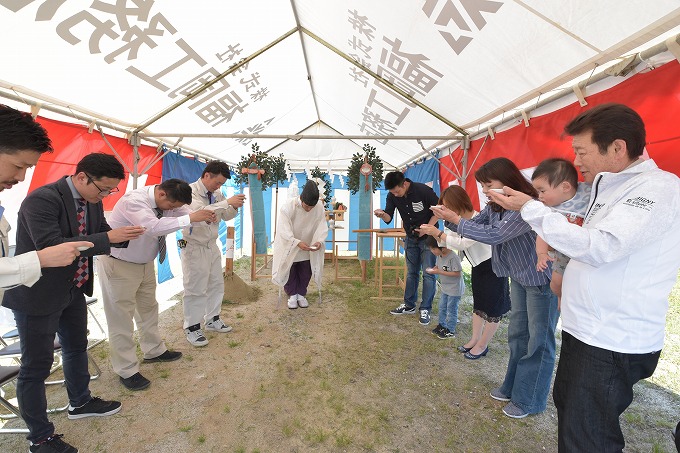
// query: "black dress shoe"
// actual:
[[463, 349], [135, 382], [167, 356]]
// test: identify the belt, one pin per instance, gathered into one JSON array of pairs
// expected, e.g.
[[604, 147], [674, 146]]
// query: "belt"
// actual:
[[129, 262]]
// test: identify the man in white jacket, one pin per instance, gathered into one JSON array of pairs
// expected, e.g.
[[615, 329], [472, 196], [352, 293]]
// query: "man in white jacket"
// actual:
[[624, 263], [22, 142], [201, 257]]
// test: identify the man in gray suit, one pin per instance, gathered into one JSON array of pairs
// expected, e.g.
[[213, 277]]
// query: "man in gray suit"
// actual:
[[67, 210]]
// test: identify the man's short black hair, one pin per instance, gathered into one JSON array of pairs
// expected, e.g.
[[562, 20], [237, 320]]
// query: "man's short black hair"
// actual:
[[101, 165], [394, 179], [176, 190], [20, 132], [217, 167], [609, 122]]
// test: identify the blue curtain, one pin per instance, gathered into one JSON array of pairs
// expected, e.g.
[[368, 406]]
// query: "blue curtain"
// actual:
[[187, 169], [426, 172]]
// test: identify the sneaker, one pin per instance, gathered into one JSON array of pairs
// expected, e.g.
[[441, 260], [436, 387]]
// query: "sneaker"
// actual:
[[513, 411], [96, 407], [424, 317], [437, 329], [403, 310], [216, 325], [497, 394], [53, 444], [445, 333], [167, 356], [292, 302], [196, 337], [135, 382], [302, 302]]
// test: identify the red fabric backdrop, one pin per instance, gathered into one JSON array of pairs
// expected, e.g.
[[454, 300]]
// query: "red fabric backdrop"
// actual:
[[655, 95], [71, 142]]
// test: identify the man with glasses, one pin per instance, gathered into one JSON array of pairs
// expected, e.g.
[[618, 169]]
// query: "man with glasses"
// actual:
[[67, 210]]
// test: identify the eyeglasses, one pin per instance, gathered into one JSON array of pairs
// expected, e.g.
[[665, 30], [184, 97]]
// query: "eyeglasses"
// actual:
[[106, 192]]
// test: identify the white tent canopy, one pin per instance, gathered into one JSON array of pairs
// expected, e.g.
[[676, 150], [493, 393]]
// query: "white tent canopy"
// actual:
[[430, 69]]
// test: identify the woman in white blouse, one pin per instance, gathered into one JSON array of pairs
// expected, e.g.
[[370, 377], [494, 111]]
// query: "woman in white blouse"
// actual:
[[491, 294]]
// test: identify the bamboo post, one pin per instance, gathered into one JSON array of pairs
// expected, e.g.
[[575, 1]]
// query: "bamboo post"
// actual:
[[229, 259]]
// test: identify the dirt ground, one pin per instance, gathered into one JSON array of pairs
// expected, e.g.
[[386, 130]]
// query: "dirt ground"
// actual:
[[343, 375]]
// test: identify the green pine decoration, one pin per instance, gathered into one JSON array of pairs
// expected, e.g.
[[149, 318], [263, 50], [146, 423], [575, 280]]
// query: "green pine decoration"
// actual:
[[318, 173], [274, 168], [354, 177]]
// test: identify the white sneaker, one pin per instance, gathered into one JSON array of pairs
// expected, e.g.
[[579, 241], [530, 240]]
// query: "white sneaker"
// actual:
[[196, 337], [217, 326], [302, 302], [292, 301]]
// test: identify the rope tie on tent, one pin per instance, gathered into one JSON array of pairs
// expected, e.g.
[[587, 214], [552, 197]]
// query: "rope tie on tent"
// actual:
[[673, 47], [579, 95]]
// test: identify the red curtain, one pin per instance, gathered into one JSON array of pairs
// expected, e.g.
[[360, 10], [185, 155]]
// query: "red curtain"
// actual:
[[72, 142], [655, 95]]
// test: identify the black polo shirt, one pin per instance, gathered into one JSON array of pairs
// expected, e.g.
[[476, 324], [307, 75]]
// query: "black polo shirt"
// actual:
[[413, 207]]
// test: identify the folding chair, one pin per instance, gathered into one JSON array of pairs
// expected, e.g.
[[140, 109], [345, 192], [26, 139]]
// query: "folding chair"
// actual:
[[89, 301], [13, 351], [7, 375]]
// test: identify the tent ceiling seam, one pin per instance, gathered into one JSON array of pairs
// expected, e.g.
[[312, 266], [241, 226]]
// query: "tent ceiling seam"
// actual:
[[306, 59], [387, 83], [558, 26], [207, 85]]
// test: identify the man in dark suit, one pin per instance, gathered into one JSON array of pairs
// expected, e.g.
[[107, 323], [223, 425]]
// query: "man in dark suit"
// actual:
[[67, 210], [22, 141]]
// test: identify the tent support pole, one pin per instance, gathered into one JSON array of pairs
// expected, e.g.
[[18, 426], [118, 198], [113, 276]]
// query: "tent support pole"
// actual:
[[464, 162], [135, 156]]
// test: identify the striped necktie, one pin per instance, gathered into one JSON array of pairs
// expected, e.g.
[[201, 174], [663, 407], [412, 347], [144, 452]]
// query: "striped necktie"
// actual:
[[82, 271], [161, 239], [209, 194]]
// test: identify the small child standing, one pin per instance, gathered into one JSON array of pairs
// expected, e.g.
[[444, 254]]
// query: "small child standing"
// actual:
[[556, 181], [449, 269]]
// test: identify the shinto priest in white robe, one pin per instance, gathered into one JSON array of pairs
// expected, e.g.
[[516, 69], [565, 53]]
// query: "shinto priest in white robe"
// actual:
[[296, 225]]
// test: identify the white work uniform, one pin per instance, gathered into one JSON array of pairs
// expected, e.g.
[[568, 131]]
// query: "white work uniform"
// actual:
[[202, 260]]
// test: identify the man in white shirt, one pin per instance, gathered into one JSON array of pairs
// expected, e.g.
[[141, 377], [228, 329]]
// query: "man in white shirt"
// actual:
[[624, 263], [128, 278], [201, 257]]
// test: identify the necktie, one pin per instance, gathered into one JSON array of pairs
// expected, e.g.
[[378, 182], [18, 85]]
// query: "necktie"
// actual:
[[161, 239], [82, 273], [209, 194]]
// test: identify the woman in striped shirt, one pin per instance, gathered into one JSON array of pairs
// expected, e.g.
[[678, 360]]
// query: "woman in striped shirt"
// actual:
[[533, 317]]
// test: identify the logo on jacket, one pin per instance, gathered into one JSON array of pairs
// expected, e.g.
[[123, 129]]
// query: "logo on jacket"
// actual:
[[640, 202]]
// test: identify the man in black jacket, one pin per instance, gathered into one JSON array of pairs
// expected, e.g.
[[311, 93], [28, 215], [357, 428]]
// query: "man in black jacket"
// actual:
[[67, 210], [413, 201]]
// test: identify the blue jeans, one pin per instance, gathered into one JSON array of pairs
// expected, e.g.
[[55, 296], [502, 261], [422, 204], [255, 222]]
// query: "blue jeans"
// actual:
[[418, 258], [36, 334], [593, 386], [448, 311], [531, 338]]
